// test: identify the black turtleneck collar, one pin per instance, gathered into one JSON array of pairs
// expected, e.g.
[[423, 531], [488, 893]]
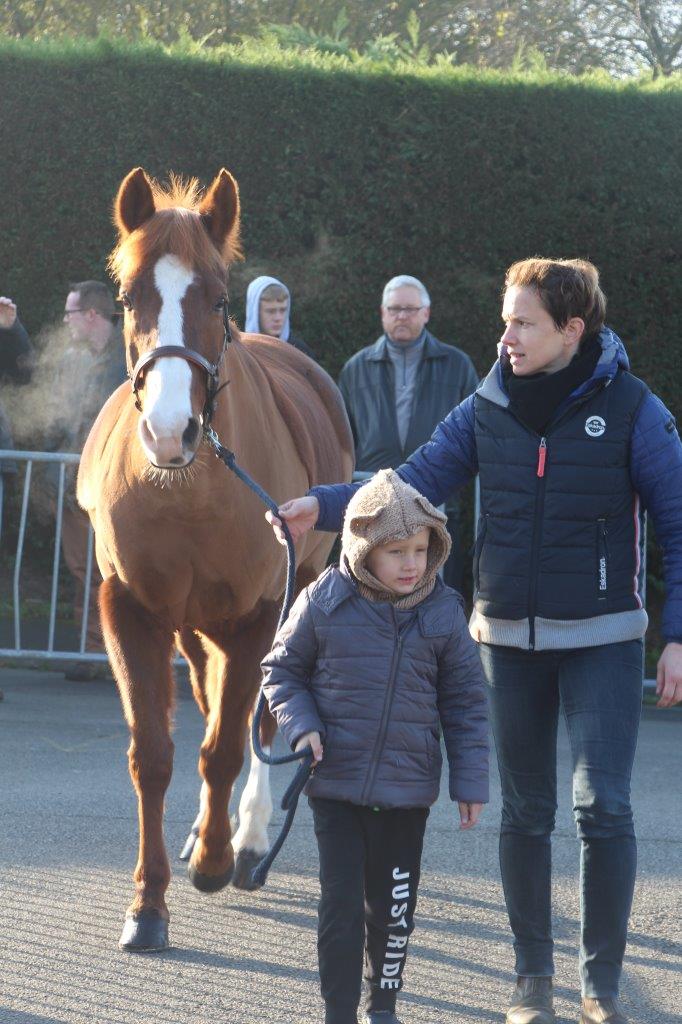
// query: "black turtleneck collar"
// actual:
[[536, 398]]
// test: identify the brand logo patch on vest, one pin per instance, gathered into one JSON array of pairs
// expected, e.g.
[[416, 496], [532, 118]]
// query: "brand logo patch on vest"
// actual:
[[595, 426]]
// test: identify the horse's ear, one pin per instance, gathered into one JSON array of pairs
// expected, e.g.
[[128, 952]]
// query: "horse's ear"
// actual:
[[134, 202], [220, 210]]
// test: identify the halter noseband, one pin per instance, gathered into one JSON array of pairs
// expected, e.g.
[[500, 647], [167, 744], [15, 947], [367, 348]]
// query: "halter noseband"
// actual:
[[212, 370]]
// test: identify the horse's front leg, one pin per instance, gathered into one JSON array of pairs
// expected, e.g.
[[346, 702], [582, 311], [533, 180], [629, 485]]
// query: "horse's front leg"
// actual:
[[250, 841], [239, 654], [140, 648]]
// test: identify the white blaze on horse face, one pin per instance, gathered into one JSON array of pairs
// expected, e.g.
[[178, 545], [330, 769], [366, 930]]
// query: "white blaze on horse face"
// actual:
[[168, 382], [255, 810]]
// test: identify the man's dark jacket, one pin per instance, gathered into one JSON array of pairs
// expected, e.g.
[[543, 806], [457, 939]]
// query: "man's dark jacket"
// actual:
[[378, 684], [445, 377], [16, 354]]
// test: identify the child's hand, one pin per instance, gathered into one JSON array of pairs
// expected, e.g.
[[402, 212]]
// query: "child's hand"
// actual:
[[468, 813], [312, 739]]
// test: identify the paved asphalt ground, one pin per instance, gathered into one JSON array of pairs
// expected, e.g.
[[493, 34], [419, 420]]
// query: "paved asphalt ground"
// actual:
[[68, 845]]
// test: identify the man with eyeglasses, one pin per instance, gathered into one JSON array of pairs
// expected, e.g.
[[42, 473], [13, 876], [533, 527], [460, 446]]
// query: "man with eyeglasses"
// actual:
[[95, 366], [399, 388]]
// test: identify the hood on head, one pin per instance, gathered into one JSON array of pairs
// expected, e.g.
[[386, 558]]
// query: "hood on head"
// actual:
[[253, 296], [386, 508]]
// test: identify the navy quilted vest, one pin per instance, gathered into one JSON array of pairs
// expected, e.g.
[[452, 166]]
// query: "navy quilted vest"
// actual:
[[559, 531]]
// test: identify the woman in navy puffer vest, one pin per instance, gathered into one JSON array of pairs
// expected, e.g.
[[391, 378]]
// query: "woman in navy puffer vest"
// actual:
[[570, 449]]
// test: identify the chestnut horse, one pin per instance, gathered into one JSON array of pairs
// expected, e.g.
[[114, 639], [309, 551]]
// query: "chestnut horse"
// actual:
[[186, 554]]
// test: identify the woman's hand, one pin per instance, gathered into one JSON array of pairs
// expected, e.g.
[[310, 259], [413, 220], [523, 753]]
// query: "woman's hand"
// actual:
[[300, 515], [468, 813], [669, 676], [313, 740]]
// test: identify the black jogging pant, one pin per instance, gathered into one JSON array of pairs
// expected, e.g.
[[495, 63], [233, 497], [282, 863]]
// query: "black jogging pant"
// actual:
[[369, 872]]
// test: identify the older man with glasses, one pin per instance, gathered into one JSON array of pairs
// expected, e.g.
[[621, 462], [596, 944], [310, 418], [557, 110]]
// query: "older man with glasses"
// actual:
[[399, 388]]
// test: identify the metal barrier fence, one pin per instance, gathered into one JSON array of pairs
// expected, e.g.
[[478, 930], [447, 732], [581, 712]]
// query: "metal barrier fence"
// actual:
[[63, 459], [50, 653]]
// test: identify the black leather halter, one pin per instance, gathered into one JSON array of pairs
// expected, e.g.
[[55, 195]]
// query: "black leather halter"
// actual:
[[212, 370]]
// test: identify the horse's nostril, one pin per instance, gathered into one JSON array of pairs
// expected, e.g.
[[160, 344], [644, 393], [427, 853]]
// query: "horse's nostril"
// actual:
[[190, 433], [177, 461]]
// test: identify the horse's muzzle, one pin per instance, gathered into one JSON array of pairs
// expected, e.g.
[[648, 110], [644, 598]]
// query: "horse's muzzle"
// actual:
[[170, 451]]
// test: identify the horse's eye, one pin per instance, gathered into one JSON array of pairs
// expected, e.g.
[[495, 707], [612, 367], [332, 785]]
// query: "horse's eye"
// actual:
[[124, 299], [221, 303]]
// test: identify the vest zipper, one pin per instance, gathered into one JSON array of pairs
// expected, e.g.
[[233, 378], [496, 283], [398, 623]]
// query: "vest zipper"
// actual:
[[386, 710], [535, 545]]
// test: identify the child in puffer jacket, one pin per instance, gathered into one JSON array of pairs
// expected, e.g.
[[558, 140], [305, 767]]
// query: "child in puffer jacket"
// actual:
[[374, 660]]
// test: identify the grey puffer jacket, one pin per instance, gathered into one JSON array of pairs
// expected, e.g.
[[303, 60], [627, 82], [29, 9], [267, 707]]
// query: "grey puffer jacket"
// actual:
[[378, 684]]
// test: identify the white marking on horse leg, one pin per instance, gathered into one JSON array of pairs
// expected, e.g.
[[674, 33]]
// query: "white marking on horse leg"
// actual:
[[203, 800], [255, 809], [194, 831]]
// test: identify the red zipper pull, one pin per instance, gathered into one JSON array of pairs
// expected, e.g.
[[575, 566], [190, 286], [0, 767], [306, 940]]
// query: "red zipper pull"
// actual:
[[542, 455]]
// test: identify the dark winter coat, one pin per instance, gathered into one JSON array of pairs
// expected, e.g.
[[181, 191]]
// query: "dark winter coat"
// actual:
[[16, 354], [445, 377], [378, 684]]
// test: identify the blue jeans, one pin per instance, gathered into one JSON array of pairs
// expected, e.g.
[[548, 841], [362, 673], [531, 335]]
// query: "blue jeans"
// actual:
[[600, 692]]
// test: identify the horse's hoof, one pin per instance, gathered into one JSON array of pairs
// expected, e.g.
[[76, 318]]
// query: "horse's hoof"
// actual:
[[209, 883], [189, 844], [146, 932], [243, 870]]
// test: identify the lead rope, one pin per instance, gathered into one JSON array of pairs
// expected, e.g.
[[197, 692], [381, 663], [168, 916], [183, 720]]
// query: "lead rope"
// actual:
[[305, 756]]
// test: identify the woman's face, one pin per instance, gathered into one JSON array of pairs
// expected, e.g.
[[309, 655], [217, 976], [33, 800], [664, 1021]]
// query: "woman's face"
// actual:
[[534, 342]]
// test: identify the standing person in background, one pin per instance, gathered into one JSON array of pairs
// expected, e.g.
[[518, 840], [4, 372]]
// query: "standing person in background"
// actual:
[[16, 354], [399, 388], [16, 357], [90, 316], [570, 447], [268, 311]]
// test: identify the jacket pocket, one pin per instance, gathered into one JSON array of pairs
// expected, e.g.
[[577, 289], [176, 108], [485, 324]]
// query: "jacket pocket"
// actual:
[[602, 560]]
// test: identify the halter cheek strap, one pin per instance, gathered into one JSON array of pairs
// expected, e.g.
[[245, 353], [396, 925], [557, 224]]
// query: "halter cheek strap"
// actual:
[[212, 370]]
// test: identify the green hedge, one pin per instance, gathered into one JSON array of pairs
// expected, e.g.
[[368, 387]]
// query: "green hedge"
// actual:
[[350, 173]]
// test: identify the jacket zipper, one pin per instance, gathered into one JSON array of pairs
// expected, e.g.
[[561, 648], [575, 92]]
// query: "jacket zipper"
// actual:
[[535, 546], [539, 509], [478, 548], [388, 702]]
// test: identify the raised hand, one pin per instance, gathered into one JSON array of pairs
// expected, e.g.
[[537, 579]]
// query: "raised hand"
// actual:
[[8, 312]]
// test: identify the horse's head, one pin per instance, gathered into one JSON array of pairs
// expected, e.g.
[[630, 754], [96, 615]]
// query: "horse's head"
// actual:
[[171, 264]]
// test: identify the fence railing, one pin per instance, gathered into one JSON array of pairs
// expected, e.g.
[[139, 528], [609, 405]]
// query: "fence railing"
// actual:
[[50, 652]]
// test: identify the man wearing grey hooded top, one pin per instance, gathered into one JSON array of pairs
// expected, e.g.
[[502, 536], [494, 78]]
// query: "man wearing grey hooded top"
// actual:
[[399, 388]]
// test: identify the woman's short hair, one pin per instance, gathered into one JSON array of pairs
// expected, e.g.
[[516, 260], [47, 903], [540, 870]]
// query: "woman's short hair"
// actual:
[[566, 288]]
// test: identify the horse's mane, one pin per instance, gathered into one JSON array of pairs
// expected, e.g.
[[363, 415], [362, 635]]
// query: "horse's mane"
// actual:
[[175, 228]]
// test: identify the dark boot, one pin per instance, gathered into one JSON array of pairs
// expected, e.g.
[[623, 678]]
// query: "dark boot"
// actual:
[[602, 1011], [532, 1002], [380, 1017]]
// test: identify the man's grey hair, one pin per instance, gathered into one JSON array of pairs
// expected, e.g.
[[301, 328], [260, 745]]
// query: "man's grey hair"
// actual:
[[399, 282]]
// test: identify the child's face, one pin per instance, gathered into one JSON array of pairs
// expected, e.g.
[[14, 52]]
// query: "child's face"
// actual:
[[271, 314], [400, 564]]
